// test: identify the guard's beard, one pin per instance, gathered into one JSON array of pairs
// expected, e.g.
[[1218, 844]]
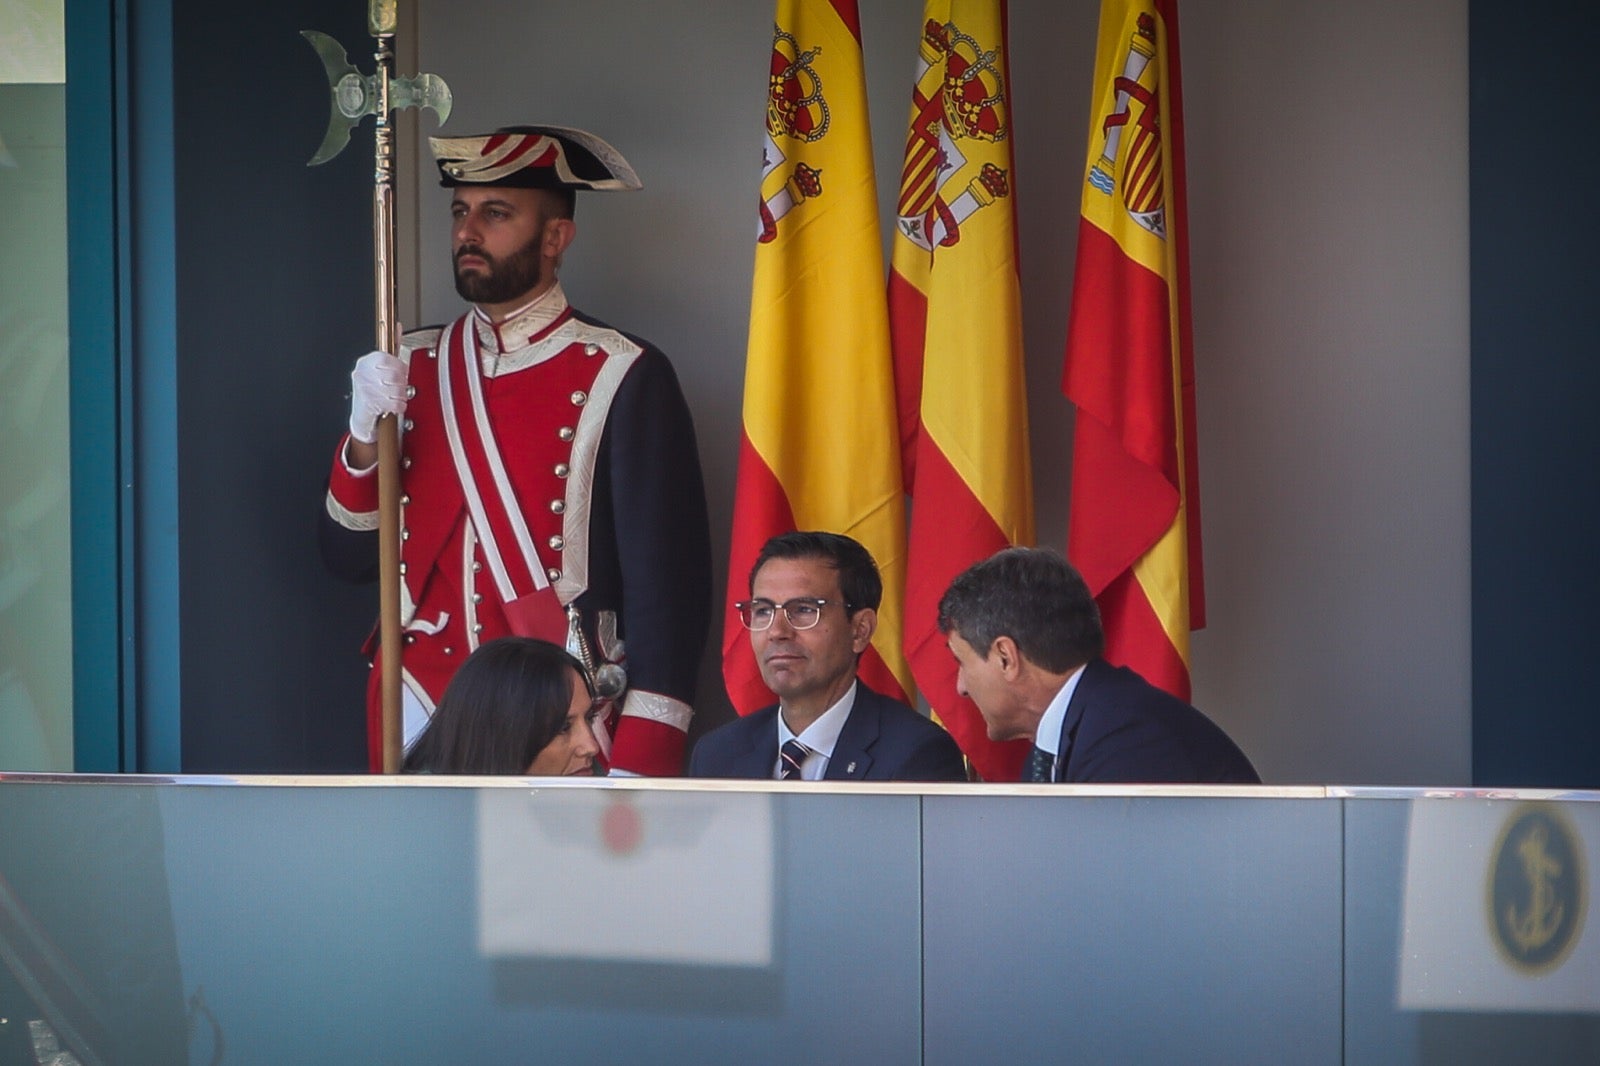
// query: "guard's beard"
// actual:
[[502, 281]]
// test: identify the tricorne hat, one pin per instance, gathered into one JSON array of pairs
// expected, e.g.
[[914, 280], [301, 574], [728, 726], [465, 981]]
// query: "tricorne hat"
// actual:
[[532, 157]]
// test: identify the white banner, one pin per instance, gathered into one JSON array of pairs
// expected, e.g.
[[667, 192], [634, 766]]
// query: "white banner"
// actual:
[[626, 876], [1496, 900]]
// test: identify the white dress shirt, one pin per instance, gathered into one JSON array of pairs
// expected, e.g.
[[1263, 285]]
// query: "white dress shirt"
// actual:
[[820, 736], [1048, 735]]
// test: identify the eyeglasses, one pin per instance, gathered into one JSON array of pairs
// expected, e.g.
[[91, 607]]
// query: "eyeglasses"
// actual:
[[803, 612]]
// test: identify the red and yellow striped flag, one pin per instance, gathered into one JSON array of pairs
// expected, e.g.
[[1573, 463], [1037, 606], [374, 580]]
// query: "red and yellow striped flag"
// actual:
[[819, 449], [956, 318], [1134, 526]]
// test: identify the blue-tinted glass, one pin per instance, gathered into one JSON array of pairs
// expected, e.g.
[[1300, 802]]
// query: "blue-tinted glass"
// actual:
[[35, 564]]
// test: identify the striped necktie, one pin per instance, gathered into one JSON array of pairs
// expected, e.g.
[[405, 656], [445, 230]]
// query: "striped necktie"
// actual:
[[791, 757]]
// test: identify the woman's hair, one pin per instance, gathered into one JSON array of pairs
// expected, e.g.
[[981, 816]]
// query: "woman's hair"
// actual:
[[505, 704]]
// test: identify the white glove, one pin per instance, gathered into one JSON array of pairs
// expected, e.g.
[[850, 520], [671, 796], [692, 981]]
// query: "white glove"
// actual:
[[377, 388]]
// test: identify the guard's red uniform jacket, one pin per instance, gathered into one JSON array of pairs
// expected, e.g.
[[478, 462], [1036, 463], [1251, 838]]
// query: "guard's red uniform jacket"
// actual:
[[598, 456]]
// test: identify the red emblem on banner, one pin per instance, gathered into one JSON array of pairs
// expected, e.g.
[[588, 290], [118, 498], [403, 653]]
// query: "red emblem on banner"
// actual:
[[621, 827]]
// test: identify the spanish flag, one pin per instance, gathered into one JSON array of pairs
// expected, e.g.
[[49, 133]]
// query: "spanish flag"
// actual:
[[1134, 525], [819, 448], [956, 319]]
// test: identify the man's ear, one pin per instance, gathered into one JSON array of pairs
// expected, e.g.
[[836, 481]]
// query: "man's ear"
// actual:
[[1007, 656], [559, 234], [863, 624]]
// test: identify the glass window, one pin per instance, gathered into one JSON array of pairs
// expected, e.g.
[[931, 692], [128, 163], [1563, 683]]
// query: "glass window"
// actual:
[[35, 541]]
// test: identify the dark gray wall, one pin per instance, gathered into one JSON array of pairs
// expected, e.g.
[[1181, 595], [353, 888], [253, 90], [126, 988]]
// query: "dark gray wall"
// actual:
[[1535, 380], [274, 290]]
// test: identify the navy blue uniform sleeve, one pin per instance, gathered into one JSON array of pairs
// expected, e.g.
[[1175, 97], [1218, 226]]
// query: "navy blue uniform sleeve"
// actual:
[[350, 554], [663, 539]]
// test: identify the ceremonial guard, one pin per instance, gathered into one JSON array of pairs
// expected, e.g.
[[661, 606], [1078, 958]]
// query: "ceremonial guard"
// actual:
[[550, 479]]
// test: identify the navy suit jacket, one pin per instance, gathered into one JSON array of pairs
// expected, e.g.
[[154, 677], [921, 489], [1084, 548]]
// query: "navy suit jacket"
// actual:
[[882, 740], [1120, 728]]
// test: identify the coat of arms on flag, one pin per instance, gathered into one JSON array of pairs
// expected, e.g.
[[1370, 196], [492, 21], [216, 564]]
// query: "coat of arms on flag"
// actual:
[[958, 95], [1136, 118], [797, 113]]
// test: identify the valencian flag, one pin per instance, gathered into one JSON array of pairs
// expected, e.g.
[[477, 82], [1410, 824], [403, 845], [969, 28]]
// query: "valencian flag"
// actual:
[[819, 448], [1134, 526], [956, 319]]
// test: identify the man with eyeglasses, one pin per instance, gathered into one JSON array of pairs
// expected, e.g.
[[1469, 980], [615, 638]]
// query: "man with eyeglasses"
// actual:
[[812, 610]]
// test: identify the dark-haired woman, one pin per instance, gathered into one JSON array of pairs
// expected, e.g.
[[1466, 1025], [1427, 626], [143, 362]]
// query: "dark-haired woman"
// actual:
[[516, 706]]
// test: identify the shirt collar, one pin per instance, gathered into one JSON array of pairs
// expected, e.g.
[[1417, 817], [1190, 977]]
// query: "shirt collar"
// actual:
[[1048, 735], [522, 326], [821, 736]]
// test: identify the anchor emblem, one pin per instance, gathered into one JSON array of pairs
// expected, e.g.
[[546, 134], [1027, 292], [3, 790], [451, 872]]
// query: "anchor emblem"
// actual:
[[1536, 890]]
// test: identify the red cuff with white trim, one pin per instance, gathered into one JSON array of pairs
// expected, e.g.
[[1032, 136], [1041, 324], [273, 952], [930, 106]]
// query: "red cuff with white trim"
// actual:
[[646, 747], [356, 491]]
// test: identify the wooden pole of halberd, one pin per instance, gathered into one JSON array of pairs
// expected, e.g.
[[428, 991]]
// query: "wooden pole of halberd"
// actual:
[[381, 18]]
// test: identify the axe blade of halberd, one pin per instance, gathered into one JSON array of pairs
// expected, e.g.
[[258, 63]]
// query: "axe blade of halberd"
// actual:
[[349, 95], [353, 96]]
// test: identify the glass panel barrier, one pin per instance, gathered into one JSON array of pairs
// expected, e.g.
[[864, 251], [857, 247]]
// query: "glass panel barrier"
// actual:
[[1117, 928], [1466, 932], [443, 922], [448, 920]]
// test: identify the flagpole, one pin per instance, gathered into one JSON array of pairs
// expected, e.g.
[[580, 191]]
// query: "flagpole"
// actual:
[[355, 96]]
